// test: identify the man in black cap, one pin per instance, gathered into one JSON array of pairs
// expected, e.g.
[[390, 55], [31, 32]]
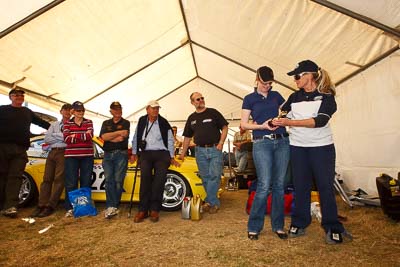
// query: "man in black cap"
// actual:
[[15, 121], [115, 133], [53, 179]]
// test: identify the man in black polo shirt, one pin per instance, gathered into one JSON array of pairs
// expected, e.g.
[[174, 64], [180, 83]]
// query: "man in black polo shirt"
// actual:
[[115, 133], [209, 129], [15, 121]]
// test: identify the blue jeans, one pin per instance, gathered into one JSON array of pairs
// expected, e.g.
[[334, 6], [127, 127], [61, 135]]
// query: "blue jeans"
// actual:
[[241, 160], [115, 164], [209, 162], [271, 158], [77, 168]]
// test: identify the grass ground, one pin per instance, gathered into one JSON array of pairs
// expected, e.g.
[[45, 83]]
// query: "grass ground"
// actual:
[[216, 240]]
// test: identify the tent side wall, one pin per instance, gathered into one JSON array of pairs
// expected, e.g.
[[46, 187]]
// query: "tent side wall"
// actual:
[[366, 126]]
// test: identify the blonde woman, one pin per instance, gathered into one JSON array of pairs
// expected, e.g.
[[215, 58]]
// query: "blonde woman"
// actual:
[[312, 151]]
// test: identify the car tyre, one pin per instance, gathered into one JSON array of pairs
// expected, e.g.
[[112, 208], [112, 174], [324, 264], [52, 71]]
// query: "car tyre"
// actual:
[[175, 190], [28, 190]]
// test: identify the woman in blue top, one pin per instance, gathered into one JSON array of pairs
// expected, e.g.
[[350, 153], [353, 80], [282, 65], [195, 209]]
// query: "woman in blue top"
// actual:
[[270, 153], [312, 150]]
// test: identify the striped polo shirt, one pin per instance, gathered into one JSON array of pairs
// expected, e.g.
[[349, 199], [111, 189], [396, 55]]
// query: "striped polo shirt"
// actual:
[[78, 139]]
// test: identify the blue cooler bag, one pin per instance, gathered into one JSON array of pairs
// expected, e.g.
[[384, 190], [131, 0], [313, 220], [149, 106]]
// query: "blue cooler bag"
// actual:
[[81, 200]]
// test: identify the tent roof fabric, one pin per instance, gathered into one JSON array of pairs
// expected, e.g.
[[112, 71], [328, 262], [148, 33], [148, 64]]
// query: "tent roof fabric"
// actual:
[[99, 51]]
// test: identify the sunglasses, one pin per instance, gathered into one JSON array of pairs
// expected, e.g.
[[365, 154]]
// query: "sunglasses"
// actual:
[[79, 110], [298, 76], [200, 98], [17, 95]]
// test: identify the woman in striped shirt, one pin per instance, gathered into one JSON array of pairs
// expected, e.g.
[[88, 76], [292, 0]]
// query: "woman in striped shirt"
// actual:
[[78, 134]]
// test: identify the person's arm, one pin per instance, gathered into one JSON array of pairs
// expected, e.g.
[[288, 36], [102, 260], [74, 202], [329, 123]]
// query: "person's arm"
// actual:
[[52, 135], [115, 137], [39, 122], [308, 123], [224, 133], [325, 112], [171, 149], [245, 115], [185, 146], [235, 142]]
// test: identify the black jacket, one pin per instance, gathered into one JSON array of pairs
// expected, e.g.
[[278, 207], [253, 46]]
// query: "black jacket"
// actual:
[[164, 127]]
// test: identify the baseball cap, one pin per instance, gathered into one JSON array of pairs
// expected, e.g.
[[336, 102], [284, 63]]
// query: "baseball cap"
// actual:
[[304, 66], [153, 104], [16, 91], [77, 105], [66, 106], [265, 74], [115, 105]]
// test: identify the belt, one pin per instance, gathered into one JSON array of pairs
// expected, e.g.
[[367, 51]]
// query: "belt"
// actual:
[[58, 148], [210, 145], [271, 136]]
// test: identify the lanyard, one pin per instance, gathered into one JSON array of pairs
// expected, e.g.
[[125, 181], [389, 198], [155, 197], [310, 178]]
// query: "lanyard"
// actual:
[[147, 131]]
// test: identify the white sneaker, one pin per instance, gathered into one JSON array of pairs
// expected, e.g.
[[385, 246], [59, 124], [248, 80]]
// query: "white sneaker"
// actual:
[[110, 212], [69, 213], [11, 212]]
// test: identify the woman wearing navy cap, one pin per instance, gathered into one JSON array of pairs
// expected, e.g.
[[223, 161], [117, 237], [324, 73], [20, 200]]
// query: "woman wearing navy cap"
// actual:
[[270, 153], [312, 151]]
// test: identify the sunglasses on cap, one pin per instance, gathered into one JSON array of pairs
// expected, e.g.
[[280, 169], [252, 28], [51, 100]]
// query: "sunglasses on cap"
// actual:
[[199, 98]]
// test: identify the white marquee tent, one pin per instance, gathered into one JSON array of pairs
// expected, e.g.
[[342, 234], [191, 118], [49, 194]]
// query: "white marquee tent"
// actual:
[[133, 51]]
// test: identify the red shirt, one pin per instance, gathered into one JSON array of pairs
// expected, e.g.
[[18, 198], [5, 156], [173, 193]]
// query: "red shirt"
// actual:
[[81, 144]]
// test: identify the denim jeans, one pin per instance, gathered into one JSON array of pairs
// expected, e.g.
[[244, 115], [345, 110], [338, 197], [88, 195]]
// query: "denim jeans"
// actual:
[[77, 168], [271, 158], [115, 164], [241, 160], [210, 164]]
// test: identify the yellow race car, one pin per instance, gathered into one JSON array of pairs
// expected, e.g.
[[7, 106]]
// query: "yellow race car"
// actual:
[[181, 182]]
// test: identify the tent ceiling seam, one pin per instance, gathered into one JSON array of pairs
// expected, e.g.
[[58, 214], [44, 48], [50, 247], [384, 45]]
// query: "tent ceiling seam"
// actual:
[[369, 64], [239, 64], [32, 16], [188, 36], [358, 17], [12, 85], [220, 88], [135, 72], [170, 92]]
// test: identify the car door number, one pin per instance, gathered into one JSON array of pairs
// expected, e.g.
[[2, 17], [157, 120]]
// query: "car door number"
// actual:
[[98, 181]]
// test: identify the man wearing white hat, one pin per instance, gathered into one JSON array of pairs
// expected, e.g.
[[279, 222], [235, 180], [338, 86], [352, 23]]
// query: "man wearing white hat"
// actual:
[[154, 141]]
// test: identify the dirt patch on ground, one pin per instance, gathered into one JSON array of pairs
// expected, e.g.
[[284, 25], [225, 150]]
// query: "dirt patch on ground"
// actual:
[[217, 240]]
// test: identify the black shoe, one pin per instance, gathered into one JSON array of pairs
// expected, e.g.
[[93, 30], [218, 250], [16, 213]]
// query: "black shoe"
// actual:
[[37, 211], [252, 236], [282, 235], [47, 211]]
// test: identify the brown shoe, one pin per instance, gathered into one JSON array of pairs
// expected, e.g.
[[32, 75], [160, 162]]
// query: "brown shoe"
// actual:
[[47, 211], [37, 211], [154, 216], [205, 207], [213, 209], [140, 216]]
